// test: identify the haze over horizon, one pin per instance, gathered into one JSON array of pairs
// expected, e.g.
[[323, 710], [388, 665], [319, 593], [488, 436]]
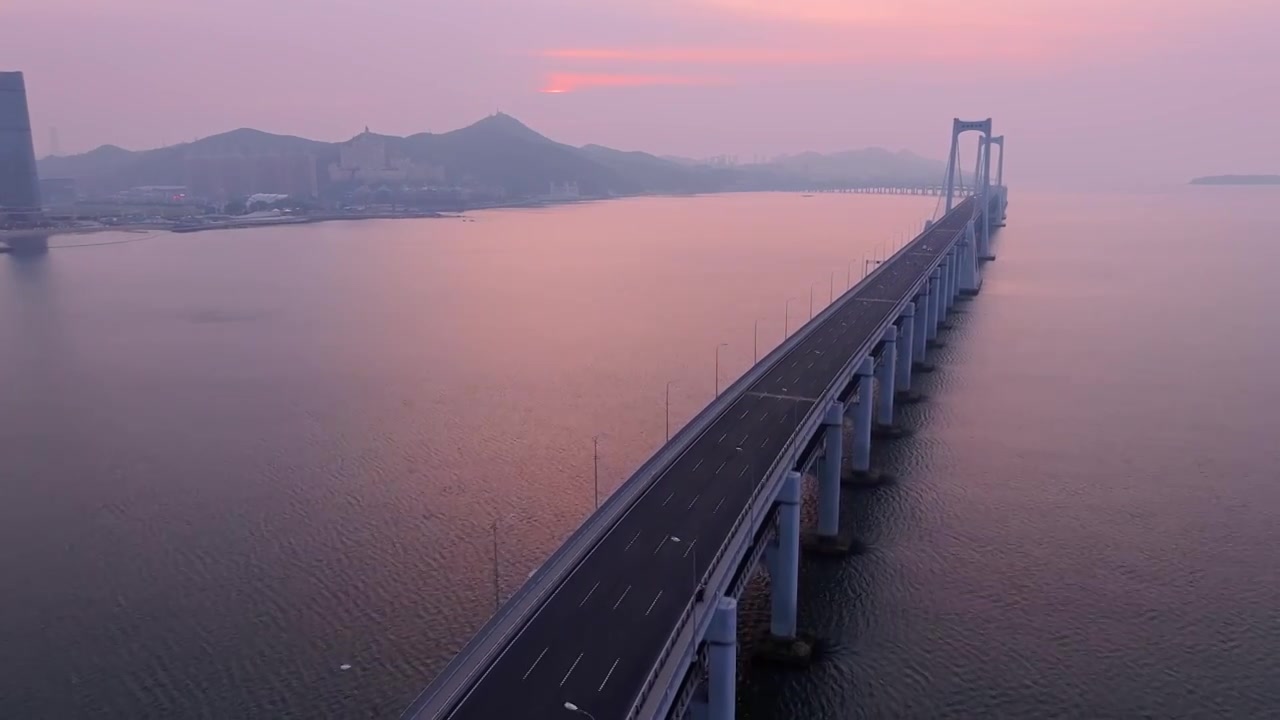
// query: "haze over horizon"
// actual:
[[1089, 92]]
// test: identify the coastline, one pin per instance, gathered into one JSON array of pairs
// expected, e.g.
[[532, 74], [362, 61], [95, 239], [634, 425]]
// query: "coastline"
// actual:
[[268, 221]]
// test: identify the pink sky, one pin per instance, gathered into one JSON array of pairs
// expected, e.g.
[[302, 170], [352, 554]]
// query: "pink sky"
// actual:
[[1129, 91]]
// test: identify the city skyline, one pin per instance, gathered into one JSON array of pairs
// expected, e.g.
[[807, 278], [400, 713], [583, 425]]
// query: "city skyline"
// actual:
[[1130, 83]]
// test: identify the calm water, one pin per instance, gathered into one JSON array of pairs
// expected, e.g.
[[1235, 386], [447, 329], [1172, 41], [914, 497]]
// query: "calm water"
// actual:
[[234, 462]]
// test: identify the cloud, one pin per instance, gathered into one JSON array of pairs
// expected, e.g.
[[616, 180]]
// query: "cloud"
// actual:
[[571, 82], [694, 55]]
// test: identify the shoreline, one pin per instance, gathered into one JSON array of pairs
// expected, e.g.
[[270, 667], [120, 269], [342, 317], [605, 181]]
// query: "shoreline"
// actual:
[[243, 223]]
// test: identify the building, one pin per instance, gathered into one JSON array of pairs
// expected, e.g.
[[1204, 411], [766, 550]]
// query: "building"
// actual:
[[366, 161], [218, 178], [19, 184]]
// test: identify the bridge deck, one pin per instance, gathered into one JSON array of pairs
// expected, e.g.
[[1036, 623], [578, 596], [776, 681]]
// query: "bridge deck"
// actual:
[[594, 641]]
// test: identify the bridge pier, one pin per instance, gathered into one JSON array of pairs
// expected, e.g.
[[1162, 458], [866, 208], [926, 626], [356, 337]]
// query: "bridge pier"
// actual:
[[953, 266], [722, 643], [920, 337], [886, 374], [829, 475], [903, 380], [944, 298], [935, 296], [970, 282], [860, 458], [784, 566]]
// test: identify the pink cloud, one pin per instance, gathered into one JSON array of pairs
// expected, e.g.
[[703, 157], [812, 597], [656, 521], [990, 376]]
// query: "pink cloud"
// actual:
[[571, 82]]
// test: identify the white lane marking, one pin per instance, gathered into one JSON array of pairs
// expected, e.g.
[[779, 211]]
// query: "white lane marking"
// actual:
[[608, 675], [633, 541], [655, 602], [588, 597], [765, 415], [811, 362], [686, 550], [535, 663], [664, 502], [744, 467], [571, 667], [624, 594], [744, 412], [660, 544], [793, 362], [493, 659], [766, 440], [722, 437], [695, 499], [718, 505], [744, 437], [721, 467], [695, 467]]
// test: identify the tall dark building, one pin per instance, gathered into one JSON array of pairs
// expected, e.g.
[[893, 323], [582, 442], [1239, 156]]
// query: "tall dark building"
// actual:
[[19, 186]]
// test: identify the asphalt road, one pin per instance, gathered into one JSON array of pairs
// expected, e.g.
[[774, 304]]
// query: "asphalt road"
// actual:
[[596, 638]]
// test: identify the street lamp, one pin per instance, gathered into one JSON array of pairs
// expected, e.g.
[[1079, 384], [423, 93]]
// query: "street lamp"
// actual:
[[692, 549], [595, 465], [669, 384], [574, 708], [497, 590], [831, 296], [786, 323], [718, 366], [812, 285], [848, 280], [755, 342]]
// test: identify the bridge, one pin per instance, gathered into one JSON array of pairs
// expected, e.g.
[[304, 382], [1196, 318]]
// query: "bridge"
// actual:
[[635, 615]]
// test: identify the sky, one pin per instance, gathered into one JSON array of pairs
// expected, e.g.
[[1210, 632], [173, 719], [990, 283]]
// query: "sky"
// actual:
[[1089, 93]]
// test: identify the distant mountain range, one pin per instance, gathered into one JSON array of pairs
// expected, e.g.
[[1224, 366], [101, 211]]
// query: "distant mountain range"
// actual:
[[1237, 180], [500, 151]]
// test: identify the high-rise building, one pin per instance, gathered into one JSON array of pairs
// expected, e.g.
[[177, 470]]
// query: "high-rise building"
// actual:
[[19, 186]]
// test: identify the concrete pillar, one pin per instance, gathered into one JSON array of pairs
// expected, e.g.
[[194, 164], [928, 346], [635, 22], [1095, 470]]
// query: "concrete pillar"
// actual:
[[829, 474], [722, 644], [885, 375], [969, 274], [860, 459], [903, 380], [935, 293], [785, 580], [952, 274], [944, 276], [920, 339]]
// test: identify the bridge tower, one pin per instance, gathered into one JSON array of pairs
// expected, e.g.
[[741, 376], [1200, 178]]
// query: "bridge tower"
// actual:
[[1002, 198]]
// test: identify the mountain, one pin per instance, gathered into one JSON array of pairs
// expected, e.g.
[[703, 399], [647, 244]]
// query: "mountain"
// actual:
[[1237, 180], [500, 152]]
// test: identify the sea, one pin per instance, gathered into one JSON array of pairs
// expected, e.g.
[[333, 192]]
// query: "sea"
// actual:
[[286, 472]]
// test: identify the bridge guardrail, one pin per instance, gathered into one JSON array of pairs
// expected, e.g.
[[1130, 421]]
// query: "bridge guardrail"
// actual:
[[768, 488], [469, 665]]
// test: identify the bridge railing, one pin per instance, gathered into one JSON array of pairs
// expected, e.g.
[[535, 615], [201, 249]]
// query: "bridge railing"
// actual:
[[488, 644], [764, 492], [470, 664]]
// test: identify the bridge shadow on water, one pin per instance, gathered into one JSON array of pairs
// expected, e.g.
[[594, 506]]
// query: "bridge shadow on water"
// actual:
[[843, 599]]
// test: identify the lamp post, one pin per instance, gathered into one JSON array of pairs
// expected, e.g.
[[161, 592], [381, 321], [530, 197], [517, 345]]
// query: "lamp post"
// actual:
[[848, 280], [812, 285], [831, 293], [755, 342], [669, 384], [692, 549], [718, 367], [786, 324], [595, 465], [497, 589], [574, 708]]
